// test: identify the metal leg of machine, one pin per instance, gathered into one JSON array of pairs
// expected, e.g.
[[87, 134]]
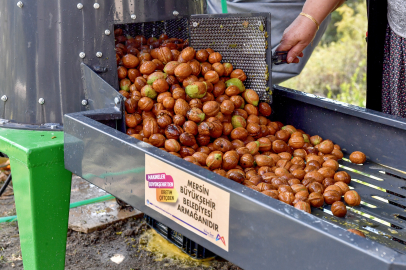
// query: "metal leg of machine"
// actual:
[[42, 193]]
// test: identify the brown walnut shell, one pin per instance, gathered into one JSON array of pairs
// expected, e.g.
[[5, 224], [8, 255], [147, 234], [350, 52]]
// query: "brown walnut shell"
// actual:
[[239, 74], [236, 175], [183, 70], [342, 176], [187, 139], [331, 196], [202, 55], [338, 209], [286, 197], [352, 198], [181, 107], [173, 131], [215, 57], [211, 108], [157, 140], [358, 157], [172, 145], [304, 206], [316, 199]]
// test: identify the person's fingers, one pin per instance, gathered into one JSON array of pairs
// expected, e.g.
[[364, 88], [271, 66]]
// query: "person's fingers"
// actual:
[[295, 52], [301, 54], [296, 60], [284, 46]]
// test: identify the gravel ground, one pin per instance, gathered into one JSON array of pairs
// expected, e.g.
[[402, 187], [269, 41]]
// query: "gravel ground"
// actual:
[[94, 250]]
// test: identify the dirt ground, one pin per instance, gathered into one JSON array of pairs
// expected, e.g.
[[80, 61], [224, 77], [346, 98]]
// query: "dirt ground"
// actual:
[[95, 250]]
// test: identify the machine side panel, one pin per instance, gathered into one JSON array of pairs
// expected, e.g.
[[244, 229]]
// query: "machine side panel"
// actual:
[[39, 52]]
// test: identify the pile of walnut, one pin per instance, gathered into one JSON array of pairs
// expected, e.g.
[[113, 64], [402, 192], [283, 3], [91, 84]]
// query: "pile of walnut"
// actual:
[[193, 106]]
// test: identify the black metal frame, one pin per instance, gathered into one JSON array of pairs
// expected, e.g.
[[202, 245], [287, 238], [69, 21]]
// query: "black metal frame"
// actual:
[[377, 23]]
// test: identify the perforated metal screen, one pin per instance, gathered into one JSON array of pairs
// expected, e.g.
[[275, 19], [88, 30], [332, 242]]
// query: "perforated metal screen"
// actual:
[[242, 40]]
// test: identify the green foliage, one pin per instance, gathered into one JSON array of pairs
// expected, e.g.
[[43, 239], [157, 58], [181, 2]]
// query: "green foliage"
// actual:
[[337, 67]]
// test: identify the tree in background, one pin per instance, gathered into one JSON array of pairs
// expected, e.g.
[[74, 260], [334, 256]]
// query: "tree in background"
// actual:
[[337, 67]]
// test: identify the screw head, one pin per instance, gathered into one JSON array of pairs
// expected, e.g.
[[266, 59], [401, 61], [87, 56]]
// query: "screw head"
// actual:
[[133, 16], [79, 5], [116, 100], [96, 5], [4, 98], [82, 55], [107, 32], [41, 101], [84, 102], [99, 54], [20, 4], [195, 24], [175, 13]]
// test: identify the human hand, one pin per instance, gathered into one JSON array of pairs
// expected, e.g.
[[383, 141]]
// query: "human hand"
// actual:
[[296, 37]]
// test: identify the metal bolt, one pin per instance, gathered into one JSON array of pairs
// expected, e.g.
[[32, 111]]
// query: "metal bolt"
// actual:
[[99, 54], [195, 24], [107, 32], [175, 13], [4, 98], [133, 16], [84, 102], [82, 55], [116, 100], [20, 4], [41, 101], [79, 6], [96, 5]]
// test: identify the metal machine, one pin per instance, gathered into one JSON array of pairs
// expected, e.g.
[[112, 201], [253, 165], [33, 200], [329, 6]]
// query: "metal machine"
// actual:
[[63, 52]]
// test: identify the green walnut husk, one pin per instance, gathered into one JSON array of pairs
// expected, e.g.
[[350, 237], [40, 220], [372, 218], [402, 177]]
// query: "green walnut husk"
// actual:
[[237, 82], [155, 76], [148, 91], [251, 97], [196, 90], [238, 121], [306, 138], [125, 84]]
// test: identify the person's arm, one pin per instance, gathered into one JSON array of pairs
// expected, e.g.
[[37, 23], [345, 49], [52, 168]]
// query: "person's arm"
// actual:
[[302, 30]]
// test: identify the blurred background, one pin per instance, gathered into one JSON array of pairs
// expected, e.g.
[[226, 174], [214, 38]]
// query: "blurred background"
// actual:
[[337, 68]]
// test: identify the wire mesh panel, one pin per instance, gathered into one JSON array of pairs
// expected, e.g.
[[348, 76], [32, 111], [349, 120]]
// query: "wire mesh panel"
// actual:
[[177, 28], [242, 40]]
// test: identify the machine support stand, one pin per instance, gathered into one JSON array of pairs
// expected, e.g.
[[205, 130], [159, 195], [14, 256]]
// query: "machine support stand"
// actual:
[[42, 194]]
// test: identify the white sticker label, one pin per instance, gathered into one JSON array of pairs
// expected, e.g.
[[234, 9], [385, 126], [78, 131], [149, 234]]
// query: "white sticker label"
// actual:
[[192, 203]]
